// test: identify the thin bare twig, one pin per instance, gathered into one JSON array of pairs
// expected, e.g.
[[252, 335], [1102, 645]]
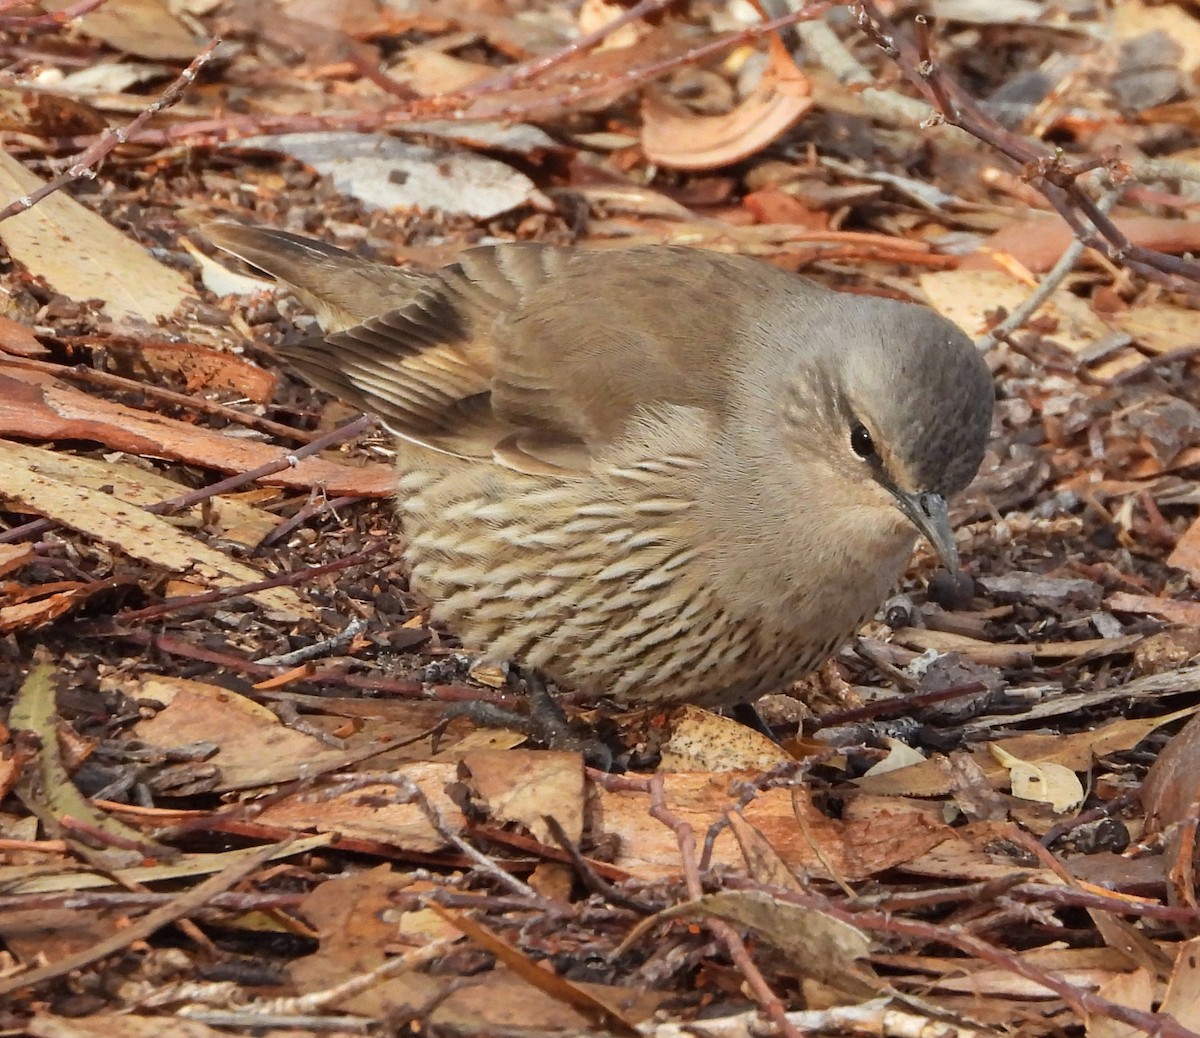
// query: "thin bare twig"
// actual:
[[178, 606], [1054, 176], [457, 105], [685, 837], [82, 167], [1046, 287], [238, 479], [50, 20]]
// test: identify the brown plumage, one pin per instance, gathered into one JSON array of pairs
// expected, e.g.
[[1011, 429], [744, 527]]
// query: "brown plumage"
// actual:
[[657, 474]]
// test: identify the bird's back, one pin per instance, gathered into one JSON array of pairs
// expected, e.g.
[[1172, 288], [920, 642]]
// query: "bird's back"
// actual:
[[500, 354]]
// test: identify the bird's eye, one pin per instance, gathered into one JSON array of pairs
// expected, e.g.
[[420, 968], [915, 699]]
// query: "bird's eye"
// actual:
[[861, 442]]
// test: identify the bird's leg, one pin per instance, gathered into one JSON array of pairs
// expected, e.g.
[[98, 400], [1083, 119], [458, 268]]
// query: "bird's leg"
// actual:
[[545, 722], [744, 713]]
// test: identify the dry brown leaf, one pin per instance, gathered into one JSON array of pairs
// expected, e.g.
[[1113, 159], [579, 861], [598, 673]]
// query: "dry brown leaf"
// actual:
[[358, 922], [1139, 949], [139, 534], [882, 836], [499, 1002], [83, 256], [816, 944], [1172, 785], [523, 786], [1186, 553], [51, 934], [688, 141], [431, 72], [700, 740], [544, 980], [254, 748], [374, 813], [1182, 999], [763, 862], [143, 27], [34, 406], [45, 114]]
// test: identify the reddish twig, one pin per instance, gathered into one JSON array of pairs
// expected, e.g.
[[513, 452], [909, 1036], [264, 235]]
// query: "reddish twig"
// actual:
[[82, 373], [457, 105], [906, 704], [685, 837], [174, 645], [289, 460], [1054, 176], [177, 606], [82, 167], [50, 20], [313, 508], [239, 479]]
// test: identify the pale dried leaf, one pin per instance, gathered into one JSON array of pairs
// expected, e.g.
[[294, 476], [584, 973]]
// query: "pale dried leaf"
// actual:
[[146, 28], [384, 172], [1042, 783], [523, 786], [900, 755], [137, 533], [254, 748], [968, 297], [1135, 990], [1182, 999], [83, 256], [703, 741], [816, 944]]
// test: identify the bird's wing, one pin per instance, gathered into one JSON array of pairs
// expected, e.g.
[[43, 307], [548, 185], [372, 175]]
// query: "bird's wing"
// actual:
[[533, 355], [424, 366]]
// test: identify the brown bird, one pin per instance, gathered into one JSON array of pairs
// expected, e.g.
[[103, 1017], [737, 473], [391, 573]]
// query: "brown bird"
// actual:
[[657, 474]]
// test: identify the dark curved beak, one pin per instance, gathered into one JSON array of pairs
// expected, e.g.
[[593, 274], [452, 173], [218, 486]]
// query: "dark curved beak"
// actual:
[[929, 514]]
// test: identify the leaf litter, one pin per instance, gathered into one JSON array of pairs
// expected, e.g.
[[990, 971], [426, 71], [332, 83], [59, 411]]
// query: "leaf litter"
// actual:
[[232, 799]]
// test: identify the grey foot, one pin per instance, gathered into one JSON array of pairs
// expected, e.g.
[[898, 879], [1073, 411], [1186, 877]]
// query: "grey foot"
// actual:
[[545, 722], [744, 713]]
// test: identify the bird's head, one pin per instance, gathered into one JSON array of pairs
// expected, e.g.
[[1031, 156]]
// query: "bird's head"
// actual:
[[897, 402]]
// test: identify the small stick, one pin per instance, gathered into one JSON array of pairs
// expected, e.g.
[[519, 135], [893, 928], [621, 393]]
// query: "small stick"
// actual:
[[1055, 177], [238, 479], [49, 20], [81, 168], [685, 837]]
